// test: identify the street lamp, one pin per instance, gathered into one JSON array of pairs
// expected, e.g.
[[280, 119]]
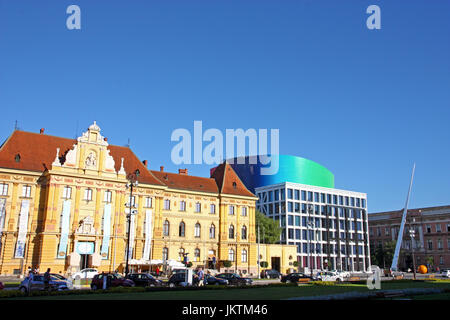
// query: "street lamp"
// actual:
[[132, 182], [310, 226], [412, 234]]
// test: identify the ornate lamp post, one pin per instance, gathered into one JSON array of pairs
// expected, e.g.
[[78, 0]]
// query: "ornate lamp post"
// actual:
[[310, 226], [132, 182], [412, 234]]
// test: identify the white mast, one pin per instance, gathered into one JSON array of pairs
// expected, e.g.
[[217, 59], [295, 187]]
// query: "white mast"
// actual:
[[402, 226]]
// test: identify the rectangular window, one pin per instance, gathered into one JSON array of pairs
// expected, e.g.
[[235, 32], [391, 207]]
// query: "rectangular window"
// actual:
[[352, 201], [329, 198], [198, 207], [270, 195], [428, 228], [290, 194], [277, 195], [67, 192], [430, 244], [290, 220], [303, 195], [3, 189], [438, 227], [88, 194], [297, 207], [26, 191], [108, 196], [303, 207], [231, 210], [297, 194], [358, 203], [341, 200], [316, 196], [297, 221], [346, 201], [148, 202], [322, 197], [166, 204], [290, 233], [363, 203], [335, 199], [310, 196], [182, 205], [290, 207], [244, 211], [212, 209]]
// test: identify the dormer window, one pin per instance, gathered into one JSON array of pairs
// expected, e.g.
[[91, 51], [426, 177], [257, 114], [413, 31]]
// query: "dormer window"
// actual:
[[234, 185], [17, 158]]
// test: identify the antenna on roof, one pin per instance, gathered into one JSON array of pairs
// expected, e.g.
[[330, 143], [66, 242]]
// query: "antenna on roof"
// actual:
[[15, 126], [128, 144]]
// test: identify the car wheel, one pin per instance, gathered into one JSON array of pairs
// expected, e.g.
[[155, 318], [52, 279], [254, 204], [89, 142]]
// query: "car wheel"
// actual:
[[94, 287], [172, 285], [23, 290], [77, 277], [152, 285], [289, 281]]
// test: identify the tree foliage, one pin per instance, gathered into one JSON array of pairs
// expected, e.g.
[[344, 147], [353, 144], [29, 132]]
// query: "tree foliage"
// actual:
[[269, 229]]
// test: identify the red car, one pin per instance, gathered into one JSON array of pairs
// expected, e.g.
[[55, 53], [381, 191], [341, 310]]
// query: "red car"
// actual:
[[1, 286], [113, 280]]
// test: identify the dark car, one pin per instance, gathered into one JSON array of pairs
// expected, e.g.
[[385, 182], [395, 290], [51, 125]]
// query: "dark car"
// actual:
[[113, 280], [209, 279], [235, 279], [270, 274], [144, 280], [295, 277], [179, 279]]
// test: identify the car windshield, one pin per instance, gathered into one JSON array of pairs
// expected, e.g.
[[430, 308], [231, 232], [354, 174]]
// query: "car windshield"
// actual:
[[118, 276], [57, 276], [236, 275]]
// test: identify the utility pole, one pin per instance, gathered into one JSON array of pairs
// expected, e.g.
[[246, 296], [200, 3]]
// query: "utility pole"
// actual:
[[259, 240], [132, 182]]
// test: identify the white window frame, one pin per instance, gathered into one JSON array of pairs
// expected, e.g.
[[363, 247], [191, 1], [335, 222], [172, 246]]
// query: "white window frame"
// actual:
[[198, 207], [107, 196], [212, 208], [26, 191], [197, 230], [231, 210], [88, 194], [244, 255], [148, 202], [166, 204], [4, 189], [182, 205], [244, 211], [67, 192]]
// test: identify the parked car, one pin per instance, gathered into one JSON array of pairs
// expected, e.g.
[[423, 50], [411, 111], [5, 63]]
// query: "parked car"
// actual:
[[446, 274], [209, 279], [179, 279], [144, 280], [295, 277], [270, 274], [37, 283], [88, 273], [1, 286], [114, 280], [330, 276], [235, 279]]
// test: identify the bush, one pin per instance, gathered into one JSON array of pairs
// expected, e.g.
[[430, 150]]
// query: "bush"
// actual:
[[226, 263], [325, 283]]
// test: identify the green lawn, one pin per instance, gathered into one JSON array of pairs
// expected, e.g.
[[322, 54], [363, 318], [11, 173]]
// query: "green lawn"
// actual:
[[262, 293]]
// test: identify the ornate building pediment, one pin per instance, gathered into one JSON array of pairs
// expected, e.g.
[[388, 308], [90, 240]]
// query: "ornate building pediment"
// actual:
[[86, 226]]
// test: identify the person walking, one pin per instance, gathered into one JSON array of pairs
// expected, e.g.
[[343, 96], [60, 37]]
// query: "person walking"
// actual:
[[201, 277], [157, 271], [47, 280]]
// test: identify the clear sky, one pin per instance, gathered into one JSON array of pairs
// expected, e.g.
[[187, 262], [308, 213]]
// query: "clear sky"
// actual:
[[364, 103]]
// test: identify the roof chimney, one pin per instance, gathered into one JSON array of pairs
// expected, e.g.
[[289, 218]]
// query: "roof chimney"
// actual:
[[161, 168], [42, 131], [106, 139], [183, 171], [145, 163]]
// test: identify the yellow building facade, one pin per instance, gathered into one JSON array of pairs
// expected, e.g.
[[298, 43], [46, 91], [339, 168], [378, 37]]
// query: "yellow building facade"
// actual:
[[64, 205]]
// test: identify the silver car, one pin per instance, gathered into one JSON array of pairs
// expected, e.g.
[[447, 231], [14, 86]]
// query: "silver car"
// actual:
[[57, 283]]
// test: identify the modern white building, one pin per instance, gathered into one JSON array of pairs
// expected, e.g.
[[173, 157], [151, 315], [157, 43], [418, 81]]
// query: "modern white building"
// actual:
[[329, 226]]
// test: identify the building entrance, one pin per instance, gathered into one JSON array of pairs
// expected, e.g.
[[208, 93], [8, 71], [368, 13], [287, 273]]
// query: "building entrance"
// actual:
[[276, 263], [85, 261]]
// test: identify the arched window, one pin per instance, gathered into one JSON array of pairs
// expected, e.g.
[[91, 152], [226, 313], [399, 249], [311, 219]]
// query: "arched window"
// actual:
[[231, 232], [166, 228], [197, 230], [181, 229], [244, 255], [231, 255], [244, 233], [212, 231], [197, 254], [165, 254]]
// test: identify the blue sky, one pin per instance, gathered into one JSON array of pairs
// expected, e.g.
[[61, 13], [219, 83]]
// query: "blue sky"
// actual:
[[366, 104]]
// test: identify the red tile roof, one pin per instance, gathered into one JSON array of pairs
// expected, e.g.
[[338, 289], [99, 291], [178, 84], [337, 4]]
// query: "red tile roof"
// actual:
[[38, 151], [229, 182], [187, 182]]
